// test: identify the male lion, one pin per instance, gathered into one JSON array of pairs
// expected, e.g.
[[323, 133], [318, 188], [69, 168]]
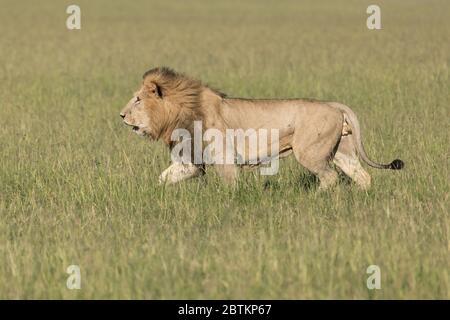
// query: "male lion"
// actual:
[[316, 132]]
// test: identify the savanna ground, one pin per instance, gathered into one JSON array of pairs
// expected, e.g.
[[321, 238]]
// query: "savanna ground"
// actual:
[[77, 187]]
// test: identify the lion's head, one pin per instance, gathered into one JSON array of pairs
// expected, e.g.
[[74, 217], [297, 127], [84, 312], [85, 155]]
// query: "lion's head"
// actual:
[[166, 100], [149, 111]]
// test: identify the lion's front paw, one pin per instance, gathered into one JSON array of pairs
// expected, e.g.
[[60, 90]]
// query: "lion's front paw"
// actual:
[[162, 179], [178, 172]]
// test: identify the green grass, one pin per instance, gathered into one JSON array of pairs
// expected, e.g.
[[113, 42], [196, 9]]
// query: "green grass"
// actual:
[[77, 187]]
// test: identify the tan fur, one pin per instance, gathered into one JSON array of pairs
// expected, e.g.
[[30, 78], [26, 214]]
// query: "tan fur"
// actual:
[[317, 133]]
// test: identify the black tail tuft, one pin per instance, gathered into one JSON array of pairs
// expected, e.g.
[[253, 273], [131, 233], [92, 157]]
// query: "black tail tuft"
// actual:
[[397, 164]]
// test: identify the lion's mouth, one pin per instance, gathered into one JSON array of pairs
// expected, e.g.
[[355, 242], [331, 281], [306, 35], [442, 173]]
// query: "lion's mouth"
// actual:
[[140, 131]]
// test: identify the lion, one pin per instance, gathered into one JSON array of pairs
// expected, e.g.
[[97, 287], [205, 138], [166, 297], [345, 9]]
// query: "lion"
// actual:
[[318, 133]]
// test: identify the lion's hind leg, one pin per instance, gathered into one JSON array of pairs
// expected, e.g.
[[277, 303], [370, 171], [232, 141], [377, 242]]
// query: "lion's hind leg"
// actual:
[[347, 160], [314, 142], [328, 177]]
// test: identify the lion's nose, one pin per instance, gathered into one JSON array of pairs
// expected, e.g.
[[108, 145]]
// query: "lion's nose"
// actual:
[[122, 115]]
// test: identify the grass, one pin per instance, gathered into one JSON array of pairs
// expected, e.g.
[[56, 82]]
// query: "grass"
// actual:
[[77, 187]]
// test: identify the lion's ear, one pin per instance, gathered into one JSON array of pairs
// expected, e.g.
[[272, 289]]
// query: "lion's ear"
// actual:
[[154, 89]]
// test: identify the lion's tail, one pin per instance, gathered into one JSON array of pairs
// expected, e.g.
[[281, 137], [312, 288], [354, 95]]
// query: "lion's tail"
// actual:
[[396, 164]]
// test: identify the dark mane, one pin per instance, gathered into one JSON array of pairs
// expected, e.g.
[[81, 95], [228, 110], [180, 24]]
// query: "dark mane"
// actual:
[[171, 81]]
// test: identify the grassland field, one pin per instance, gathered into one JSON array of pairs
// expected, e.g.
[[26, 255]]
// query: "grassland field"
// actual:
[[78, 188]]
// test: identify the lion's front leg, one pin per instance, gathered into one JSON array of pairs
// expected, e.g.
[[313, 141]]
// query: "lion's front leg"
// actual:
[[178, 172]]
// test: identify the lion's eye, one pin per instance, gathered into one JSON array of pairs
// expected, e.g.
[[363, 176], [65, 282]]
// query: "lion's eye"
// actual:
[[138, 99]]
